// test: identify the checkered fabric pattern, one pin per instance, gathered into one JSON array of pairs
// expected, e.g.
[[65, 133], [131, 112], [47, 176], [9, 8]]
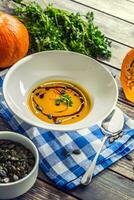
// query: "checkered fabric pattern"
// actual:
[[64, 171]]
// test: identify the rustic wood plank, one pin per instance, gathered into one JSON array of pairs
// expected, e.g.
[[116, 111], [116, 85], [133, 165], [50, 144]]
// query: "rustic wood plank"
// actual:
[[4, 126], [44, 191], [121, 9], [107, 186], [125, 167], [132, 1], [118, 50], [109, 28], [115, 29], [127, 109], [109, 182], [118, 53]]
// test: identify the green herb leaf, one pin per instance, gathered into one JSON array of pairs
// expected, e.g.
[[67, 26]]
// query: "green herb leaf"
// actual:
[[57, 29], [66, 99]]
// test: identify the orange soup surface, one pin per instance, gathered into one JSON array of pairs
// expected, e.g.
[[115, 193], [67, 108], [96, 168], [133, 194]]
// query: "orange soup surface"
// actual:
[[59, 102]]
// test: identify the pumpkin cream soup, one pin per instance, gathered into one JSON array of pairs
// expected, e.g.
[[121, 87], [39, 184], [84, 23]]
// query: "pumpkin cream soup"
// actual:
[[59, 102]]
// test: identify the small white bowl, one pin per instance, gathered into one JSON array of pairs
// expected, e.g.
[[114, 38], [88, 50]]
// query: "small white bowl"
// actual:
[[14, 189], [63, 65]]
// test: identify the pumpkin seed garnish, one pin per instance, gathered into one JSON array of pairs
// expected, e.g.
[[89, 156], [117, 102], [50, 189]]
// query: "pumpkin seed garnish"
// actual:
[[15, 161]]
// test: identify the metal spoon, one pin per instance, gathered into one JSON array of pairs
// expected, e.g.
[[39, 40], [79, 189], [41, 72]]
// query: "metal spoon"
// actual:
[[111, 126]]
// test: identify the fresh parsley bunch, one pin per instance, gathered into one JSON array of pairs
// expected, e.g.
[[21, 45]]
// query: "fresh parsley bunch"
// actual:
[[57, 29]]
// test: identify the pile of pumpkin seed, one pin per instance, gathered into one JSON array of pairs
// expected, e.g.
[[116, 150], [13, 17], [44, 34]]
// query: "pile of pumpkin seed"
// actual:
[[16, 161], [130, 76]]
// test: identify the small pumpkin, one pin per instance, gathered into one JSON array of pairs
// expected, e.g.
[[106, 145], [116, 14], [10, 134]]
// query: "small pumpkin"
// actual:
[[14, 40], [127, 76]]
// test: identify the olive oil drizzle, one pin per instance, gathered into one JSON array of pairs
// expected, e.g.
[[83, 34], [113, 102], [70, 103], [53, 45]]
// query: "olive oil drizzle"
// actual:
[[55, 117]]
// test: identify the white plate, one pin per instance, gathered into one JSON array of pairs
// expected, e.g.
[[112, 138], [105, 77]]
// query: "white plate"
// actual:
[[60, 65]]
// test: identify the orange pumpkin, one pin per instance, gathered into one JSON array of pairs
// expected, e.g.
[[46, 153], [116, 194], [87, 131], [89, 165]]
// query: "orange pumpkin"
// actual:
[[14, 40], [127, 76]]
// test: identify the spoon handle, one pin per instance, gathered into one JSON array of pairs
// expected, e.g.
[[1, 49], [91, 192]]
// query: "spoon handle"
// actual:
[[87, 177]]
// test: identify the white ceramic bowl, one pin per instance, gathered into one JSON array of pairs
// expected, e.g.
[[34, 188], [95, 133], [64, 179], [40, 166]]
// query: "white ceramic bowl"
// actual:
[[64, 65], [17, 188]]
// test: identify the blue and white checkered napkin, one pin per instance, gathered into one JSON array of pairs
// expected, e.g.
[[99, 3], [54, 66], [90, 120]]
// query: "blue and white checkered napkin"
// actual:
[[64, 171]]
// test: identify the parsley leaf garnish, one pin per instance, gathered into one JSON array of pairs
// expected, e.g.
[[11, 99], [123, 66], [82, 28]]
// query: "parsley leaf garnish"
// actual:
[[66, 99], [56, 29]]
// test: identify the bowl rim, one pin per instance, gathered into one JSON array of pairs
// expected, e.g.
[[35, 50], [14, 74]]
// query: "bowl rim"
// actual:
[[36, 157], [54, 127]]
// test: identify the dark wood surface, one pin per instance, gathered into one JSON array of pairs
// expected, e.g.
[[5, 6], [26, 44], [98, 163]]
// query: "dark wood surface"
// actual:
[[116, 20]]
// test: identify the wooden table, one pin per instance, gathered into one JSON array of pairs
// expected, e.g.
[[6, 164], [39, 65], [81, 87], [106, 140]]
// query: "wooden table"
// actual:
[[116, 20]]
